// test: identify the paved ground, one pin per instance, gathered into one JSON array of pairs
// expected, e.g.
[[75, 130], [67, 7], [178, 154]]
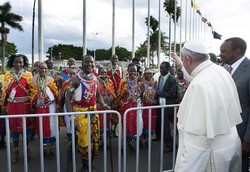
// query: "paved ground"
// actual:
[[50, 165]]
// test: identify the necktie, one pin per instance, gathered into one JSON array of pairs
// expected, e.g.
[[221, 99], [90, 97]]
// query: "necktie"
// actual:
[[229, 69]]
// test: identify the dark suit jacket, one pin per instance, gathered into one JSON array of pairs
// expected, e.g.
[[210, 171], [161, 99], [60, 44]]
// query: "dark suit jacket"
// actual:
[[242, 80], [169, 90]]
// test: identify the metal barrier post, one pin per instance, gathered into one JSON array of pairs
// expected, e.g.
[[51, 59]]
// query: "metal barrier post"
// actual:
[[149, 139], [57, 146], [8, 143], [119, 140], [73, 142], [162, 139], [137, 141], [105, 141], [89, 143], [25, 145], [124, 143], [41, 143], [174, 141]]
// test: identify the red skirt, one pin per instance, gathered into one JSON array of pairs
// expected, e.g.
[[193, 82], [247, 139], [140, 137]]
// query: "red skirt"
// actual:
[[131, 118], [145, 117], [16, 124], [46, 122]]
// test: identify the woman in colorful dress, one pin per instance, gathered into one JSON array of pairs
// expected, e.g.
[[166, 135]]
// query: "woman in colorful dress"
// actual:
[[43, 98], [2, 121], [16, 98], [129, 97], [149, 98], [107, 90]]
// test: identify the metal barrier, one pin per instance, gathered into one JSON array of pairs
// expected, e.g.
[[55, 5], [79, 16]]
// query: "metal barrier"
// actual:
[[149, 138], [72, 114]]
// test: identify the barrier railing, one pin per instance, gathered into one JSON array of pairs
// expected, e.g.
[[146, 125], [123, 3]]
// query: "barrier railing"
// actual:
[[149, 137], [72, 114]]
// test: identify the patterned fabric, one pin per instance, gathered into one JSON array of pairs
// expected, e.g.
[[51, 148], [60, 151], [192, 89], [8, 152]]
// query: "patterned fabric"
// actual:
[[82, 132], [20, 101], [129, 97], [42, 104], [115, 74], [107, 90], [84, 100]]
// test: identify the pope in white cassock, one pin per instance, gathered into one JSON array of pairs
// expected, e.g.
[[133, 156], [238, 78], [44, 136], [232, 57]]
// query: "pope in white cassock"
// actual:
[[208, 115]]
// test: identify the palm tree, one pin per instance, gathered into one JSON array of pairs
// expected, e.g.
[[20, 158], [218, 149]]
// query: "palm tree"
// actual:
[[169, 6], [154, 24], [10, 19]]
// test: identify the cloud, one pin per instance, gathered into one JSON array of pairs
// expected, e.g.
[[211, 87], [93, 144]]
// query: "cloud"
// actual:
[[63, 22]]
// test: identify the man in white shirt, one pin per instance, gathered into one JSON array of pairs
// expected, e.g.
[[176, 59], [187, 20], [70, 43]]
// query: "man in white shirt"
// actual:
[[233, 53], [208, 115]]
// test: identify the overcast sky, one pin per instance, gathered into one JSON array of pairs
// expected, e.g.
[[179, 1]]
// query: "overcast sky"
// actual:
[[63, 22]]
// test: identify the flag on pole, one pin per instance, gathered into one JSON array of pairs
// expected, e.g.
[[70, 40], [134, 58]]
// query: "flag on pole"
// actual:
[[216, 35], [209, 24], [198, 11], [204, 19]]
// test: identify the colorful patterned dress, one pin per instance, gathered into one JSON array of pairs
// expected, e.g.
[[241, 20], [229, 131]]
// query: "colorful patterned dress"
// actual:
[[84, 99], [43, 98], [149, 98], [129, 97], [107, 90], [115, 73], [2, 121], [64, 120], [16, 98]]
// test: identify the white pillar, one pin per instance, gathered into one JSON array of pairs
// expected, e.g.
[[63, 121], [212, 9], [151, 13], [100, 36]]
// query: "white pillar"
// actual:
[[113, 28], [133, 29], [148, 33], [40, 30], [84, 29]]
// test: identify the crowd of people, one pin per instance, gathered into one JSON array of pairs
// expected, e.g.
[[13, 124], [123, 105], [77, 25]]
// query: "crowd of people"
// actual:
[[213, 102], [44, 90]]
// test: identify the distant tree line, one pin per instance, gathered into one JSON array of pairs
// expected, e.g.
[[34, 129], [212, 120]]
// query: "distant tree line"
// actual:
[[63, 51]]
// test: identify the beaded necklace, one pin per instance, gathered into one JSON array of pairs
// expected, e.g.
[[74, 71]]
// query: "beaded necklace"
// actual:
[[17, 75], [41, 81], [133, 89]]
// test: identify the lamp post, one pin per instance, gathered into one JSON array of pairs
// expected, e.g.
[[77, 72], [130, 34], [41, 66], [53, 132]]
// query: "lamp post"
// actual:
[[94, 43], [51, 55], [60, 55]]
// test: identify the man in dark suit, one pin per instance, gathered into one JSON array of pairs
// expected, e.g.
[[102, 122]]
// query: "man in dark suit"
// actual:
[[167, 92], [232, 52]]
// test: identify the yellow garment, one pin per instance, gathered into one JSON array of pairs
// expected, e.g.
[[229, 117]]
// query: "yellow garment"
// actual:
[[82, 124]]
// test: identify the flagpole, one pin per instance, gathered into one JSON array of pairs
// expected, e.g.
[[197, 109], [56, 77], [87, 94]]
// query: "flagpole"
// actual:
[[148, 34], [190, 24], [175, 12], [204, 33], [159, 36], [193, 21], [84, 29], [186, 20], [201, 27], [180, 29], [133, 30], [40, 30], [197, 25], [113, 27]]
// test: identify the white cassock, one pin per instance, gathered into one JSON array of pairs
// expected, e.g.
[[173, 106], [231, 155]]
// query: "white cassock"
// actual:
[[207, 119]]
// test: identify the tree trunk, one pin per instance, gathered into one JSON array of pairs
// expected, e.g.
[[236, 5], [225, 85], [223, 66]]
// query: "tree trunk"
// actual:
[[3, 52]]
